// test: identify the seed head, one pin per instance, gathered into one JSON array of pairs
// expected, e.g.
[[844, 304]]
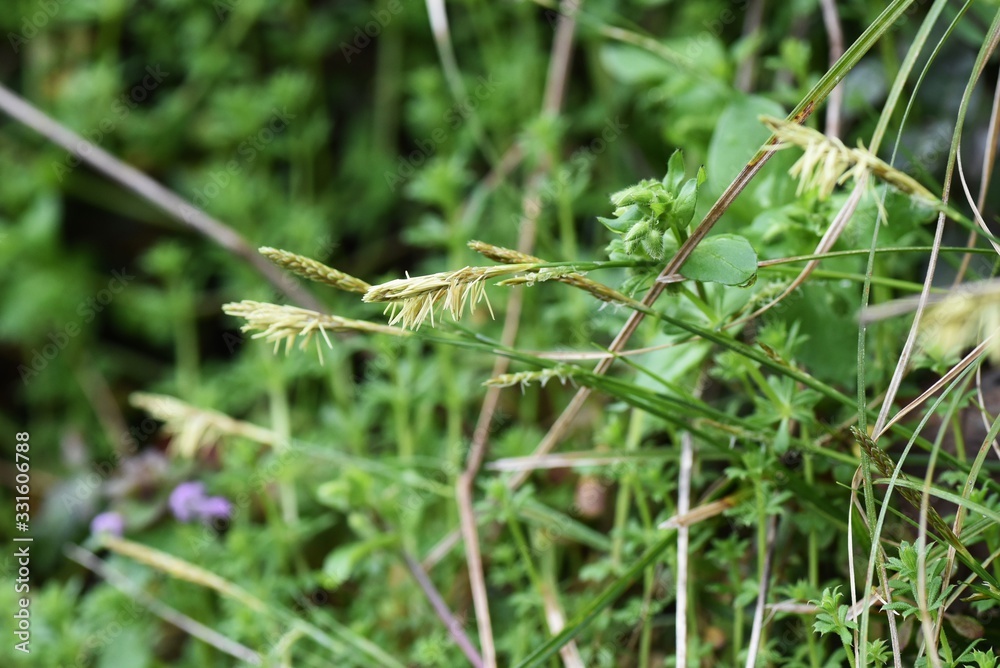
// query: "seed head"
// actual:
[[525, 378], [411, 301], [827, 162], [193, 427], [278, 323], [314, 270]]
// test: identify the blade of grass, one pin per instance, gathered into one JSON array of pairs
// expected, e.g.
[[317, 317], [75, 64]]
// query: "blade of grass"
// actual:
[[192, 627], [877, 558], [346, 643], [596, 606]]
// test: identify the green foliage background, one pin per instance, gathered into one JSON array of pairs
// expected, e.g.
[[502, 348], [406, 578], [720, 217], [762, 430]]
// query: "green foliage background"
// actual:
[[376, 163]]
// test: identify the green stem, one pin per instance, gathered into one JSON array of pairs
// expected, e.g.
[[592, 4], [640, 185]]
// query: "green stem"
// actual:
[[281, 425], [185, 338], [623, 499]]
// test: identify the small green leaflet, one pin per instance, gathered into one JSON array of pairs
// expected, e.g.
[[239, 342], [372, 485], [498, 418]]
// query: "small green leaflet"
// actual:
[[725, 258]]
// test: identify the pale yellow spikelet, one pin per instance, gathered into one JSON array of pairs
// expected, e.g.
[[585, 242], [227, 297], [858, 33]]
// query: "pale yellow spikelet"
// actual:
[[314, 270], [525, 378], [953, 321], [182, 570], [542, 275], [277, 323], [826, 162], [568, 276], [193, 427], [411, 301], [964, 319], [501, 254]]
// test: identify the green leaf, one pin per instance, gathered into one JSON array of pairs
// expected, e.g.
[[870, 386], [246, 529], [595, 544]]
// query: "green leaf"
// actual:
[[624, 221], [737, 137], [735, 141], [725, 258], [340, 564], [632, 65], [687, 200], [675, 172]]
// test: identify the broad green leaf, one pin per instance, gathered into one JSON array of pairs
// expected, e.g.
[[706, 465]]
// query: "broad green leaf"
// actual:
[[632, 65], [737, 137], [725, 258], [624, 222], [675, 172]]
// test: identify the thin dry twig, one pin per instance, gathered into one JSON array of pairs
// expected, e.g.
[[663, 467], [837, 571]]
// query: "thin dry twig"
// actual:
[[683, 540], [566, 418], [444, 614], [989, 160], [975, 206], [531, 205], [833, 233], [101, 397], [982, 414], [441, 31], [765, 581], [973, 356], [835, 34], [746, 74], [195, 629], [559, 460], [702, 513], [173, 205], [556, 620], [911, 339]]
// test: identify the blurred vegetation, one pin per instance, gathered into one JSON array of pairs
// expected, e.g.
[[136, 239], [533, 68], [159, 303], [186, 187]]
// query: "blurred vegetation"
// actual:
[[338, 131]]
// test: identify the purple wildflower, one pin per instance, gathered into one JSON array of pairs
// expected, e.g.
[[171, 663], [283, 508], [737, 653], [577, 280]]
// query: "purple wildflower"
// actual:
[[185, 499], [188, 502], [110, 522], [215, 507]]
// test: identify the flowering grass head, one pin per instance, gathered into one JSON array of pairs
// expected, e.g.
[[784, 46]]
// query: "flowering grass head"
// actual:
[[411, 301], [280, 323], [827, 162], [314, 270]]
